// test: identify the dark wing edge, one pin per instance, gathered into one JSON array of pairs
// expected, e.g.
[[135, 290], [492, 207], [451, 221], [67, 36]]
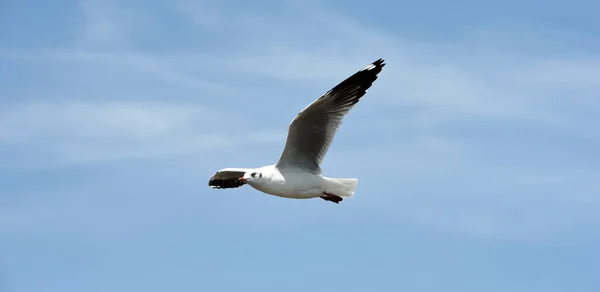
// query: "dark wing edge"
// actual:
[[355, 86], [226, 179]]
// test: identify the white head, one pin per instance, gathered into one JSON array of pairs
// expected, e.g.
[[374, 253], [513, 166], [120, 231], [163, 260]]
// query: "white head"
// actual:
[[251, 175]]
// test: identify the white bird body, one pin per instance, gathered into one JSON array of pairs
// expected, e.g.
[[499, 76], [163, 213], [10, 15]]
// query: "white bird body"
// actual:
[[297, 173], [299, 184]]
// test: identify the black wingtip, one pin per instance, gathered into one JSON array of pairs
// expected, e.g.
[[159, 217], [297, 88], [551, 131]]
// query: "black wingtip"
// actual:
[[376, 66], [379, 62], [351, 90], [367, 75]]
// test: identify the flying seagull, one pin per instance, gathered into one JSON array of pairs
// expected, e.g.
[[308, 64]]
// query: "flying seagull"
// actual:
[[297, 174]]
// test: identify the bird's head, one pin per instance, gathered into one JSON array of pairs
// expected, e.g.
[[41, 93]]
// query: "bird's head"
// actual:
[[251, 175]]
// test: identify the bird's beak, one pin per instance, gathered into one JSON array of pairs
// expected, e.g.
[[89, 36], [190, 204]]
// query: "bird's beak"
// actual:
[[242, 179]]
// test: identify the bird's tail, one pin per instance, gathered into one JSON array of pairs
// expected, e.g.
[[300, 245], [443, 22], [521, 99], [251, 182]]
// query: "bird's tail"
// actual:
[[343, 187]]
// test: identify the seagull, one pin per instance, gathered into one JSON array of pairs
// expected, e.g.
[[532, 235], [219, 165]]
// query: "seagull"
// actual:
[[298, 174]]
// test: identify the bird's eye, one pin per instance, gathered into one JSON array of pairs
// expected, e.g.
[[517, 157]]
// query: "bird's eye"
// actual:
[[253, 174]]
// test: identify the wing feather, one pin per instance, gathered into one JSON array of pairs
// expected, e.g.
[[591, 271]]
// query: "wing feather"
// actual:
[[312, 131]]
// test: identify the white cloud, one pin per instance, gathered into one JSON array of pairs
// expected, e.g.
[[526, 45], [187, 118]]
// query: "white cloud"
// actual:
[[160, 67], [71, 132], [108, 24]]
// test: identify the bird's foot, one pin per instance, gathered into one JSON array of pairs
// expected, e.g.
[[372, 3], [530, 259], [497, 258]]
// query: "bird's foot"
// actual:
[[331, 197]]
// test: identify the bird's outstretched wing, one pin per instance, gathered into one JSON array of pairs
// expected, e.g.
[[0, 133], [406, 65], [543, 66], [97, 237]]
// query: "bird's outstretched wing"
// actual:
[[313, 129]]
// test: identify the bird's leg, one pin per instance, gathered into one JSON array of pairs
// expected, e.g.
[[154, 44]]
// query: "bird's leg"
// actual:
[[331, 197]]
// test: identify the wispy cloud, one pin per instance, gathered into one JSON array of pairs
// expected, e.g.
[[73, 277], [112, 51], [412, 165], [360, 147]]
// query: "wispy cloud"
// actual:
[[70, 132], [479, 77], [108, 24]]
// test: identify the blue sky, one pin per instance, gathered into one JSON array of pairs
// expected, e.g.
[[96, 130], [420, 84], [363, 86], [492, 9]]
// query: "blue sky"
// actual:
[[476, 149]]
